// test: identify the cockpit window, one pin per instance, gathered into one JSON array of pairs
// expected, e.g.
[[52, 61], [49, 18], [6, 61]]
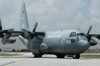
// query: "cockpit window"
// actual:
[[73, 34], [80, 34]]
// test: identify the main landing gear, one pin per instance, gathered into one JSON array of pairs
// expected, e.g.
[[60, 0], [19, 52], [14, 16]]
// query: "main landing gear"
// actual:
[[60, 56], [37, 55], [76, 56]]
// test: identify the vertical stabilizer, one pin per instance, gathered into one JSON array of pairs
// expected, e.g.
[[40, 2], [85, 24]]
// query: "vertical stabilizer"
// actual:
[[24, 19]]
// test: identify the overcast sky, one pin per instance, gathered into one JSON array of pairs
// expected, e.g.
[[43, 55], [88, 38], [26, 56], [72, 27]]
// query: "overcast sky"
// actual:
[[52, 14]]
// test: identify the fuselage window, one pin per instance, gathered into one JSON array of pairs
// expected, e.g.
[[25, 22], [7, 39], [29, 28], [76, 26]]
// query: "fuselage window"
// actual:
[[72, 41], [68, 41], [73, 34]]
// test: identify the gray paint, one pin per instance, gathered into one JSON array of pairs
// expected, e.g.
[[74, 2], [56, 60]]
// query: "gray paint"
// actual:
[[53, 42], [56, 42]]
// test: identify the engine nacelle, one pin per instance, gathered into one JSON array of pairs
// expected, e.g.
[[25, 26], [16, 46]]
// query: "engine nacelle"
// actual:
[[9, 40], [44, 48], [93, 42]]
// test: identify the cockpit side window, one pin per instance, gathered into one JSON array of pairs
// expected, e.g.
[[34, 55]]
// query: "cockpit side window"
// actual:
[[80, 34], [73, 34]]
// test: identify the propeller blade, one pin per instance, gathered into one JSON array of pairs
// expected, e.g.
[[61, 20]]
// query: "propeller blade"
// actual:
[[0, 25], [35, 26], [89, 30]]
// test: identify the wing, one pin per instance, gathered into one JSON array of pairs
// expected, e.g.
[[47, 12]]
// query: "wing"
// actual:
[[16, 33], [25, 32], [95, 35]]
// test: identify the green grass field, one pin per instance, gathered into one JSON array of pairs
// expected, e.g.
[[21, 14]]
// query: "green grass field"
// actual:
[[90, 56], [8, 54]]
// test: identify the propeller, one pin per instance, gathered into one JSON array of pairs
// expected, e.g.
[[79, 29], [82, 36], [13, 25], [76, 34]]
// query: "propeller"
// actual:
[[36, 24], [89, 37], [5, 32], [0, 25], [33, 33], [89, 30]]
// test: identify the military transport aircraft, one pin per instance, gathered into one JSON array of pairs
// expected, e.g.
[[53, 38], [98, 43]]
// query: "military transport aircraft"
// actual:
[[60, 43]]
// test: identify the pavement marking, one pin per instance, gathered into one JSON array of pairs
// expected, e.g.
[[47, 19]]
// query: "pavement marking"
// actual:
[[8, 64]]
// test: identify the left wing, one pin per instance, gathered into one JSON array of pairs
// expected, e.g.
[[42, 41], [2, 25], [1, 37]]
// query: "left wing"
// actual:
[[16, 33], [95, 35]]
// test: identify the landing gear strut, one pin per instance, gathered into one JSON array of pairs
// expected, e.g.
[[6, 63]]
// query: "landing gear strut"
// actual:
[[60, 56], [76, 56], [37, 55]]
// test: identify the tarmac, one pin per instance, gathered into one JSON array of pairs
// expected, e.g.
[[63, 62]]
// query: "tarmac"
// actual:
[[47, 60]]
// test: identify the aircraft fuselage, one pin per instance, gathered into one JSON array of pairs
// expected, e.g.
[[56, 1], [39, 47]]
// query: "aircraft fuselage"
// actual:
[[66, 42]]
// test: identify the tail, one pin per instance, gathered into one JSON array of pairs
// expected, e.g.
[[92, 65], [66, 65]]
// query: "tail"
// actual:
[[24, 19], [24, 26]]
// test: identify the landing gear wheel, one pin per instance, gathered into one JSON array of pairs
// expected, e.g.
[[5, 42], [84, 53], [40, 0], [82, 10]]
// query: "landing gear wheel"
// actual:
[[76, 56], [60, 56], [37, 55]]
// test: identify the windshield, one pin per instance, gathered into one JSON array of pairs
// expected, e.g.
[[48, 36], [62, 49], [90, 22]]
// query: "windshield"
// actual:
[[73, 34]]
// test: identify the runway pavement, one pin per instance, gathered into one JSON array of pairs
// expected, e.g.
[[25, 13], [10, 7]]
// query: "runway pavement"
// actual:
[[47, 60]]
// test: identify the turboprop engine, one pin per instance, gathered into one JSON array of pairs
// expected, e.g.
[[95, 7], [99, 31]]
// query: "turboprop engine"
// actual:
[[93, 42], [9, 40]]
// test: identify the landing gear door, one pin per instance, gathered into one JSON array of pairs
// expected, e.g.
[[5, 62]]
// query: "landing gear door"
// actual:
[[73, 38]]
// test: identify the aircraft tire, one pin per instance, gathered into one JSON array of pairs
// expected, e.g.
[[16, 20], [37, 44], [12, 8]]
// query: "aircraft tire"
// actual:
[[60, 56], [76, 56], [37, 56]]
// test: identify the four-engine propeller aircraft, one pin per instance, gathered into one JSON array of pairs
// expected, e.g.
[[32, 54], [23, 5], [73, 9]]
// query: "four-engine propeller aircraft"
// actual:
[[60, 43]]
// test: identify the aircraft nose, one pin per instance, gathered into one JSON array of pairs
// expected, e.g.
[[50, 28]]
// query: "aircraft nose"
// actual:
[[84, 44]]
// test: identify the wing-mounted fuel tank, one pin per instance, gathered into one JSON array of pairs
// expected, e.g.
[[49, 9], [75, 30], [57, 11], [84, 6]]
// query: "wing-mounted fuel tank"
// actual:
[[9, 40], [93, 42]]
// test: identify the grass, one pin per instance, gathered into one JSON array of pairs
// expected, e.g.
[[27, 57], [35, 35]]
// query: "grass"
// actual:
[[90, 56], [9, 54]]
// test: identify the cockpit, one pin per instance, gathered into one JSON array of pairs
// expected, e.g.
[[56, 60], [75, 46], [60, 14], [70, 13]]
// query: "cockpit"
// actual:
[[74, 34]]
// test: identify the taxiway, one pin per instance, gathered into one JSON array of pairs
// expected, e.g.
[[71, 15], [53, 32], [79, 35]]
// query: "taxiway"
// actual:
[[47, 60]]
